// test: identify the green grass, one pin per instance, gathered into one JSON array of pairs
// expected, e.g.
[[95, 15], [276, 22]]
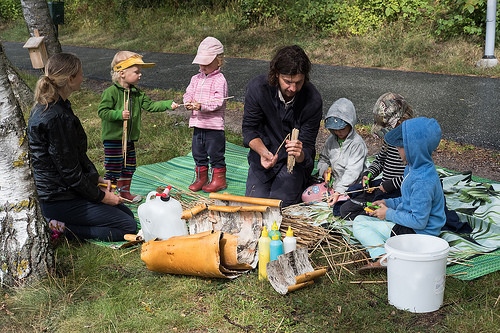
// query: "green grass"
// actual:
[[97, 289]]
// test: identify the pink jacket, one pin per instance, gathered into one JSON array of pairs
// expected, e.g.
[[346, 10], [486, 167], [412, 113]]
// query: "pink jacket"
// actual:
[[209, 90]]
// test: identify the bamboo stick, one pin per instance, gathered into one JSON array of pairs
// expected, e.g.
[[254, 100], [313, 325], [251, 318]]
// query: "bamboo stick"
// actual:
[[234, 209], [126, 97], [299, 285], [286, 138], [310, 275], [187, 214], [470, 252], [124, 254], [250, 200], [210, 101], [460, 263], [455, 274]]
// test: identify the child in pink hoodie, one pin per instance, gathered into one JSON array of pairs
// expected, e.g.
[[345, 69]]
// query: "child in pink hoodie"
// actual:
[[206, 98]]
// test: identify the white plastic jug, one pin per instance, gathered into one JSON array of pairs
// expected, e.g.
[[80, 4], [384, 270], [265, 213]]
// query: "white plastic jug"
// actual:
[[160, 217], [416, 271]]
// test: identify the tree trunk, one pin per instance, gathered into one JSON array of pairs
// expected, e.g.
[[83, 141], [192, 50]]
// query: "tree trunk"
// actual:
[[37, 16], [25, 250], [22, 92]]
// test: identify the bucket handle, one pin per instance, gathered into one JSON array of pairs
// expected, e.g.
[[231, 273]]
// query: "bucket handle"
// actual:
[[383, 260]]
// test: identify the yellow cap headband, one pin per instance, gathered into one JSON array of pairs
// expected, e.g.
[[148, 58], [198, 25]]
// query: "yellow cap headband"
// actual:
[[134, 60]]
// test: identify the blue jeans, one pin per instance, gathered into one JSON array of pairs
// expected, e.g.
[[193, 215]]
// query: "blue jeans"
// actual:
[[88, 220]]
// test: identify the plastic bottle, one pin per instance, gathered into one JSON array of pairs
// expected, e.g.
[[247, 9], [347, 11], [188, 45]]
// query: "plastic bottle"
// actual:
[[274, 231], [161, 217], [289, 242], [264, 254], [275, 248]]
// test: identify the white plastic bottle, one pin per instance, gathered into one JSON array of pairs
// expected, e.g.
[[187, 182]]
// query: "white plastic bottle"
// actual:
[[289, 242], [161, 217]]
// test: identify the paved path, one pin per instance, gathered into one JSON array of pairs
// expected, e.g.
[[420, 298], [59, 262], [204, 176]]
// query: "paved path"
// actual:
[[467, 108]]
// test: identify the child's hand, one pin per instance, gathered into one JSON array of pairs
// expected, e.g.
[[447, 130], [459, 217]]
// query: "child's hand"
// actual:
[[333, 199], [366, 183], [174, 106], [379, 213], [126, 114], [193, 106]]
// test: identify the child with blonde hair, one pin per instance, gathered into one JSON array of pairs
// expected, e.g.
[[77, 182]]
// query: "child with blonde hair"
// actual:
[[120, 111], [206, 98]]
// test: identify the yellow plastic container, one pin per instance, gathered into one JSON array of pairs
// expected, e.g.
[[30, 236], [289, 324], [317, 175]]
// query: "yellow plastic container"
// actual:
[[264, 255]]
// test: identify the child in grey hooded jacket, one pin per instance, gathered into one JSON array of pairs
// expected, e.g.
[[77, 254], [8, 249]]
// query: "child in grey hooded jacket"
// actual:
[[344, 152]]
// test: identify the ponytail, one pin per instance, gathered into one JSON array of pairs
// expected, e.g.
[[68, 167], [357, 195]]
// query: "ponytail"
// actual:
[[59, 68]]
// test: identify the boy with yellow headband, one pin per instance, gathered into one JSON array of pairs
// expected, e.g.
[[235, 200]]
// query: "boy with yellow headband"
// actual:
[[120, 112]]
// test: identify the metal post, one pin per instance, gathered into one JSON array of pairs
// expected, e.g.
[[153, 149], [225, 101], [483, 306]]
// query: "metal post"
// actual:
[[489, 59]]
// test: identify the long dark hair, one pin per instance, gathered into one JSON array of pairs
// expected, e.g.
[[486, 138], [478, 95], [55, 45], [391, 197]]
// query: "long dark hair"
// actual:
[[289, 60]]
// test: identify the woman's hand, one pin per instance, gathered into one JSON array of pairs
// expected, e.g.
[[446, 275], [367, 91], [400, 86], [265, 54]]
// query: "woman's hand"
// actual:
[[268, 160], [174, 106], [125, 114], [106, 182], [111, 198]]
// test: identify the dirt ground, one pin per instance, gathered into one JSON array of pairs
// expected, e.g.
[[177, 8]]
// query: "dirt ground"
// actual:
[[484, 163]]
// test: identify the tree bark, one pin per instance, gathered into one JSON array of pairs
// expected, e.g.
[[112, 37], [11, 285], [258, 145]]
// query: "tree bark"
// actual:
[[23, 93], [25, 250], [37, 16]]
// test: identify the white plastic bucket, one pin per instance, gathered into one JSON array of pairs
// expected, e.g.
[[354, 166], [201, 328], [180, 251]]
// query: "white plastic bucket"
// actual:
[[416, 271]]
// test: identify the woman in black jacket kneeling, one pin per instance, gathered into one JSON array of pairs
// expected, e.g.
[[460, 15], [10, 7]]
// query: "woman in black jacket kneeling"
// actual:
[[67, 181]]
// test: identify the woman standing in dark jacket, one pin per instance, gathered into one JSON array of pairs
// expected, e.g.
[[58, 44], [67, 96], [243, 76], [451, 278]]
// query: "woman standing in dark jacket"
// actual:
[[66, 180]]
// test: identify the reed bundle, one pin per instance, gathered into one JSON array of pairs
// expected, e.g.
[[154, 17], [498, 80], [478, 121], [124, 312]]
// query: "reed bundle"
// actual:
[[331, 244], [291, 159]]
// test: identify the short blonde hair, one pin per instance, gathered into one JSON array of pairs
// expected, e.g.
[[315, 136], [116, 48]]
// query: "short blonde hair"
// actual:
[[119, 57], [58, 70]]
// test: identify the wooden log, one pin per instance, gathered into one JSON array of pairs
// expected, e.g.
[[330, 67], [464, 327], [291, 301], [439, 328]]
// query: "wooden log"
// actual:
[[189, 213], [299, 285], [234, 209], [249, 200], [310, 275]]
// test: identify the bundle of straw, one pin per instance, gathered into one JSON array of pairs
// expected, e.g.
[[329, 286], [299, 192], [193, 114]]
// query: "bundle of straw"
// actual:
[[291, 159]]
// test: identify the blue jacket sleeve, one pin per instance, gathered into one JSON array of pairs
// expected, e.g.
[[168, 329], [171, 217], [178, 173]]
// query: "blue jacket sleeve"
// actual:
[[420, 205]]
